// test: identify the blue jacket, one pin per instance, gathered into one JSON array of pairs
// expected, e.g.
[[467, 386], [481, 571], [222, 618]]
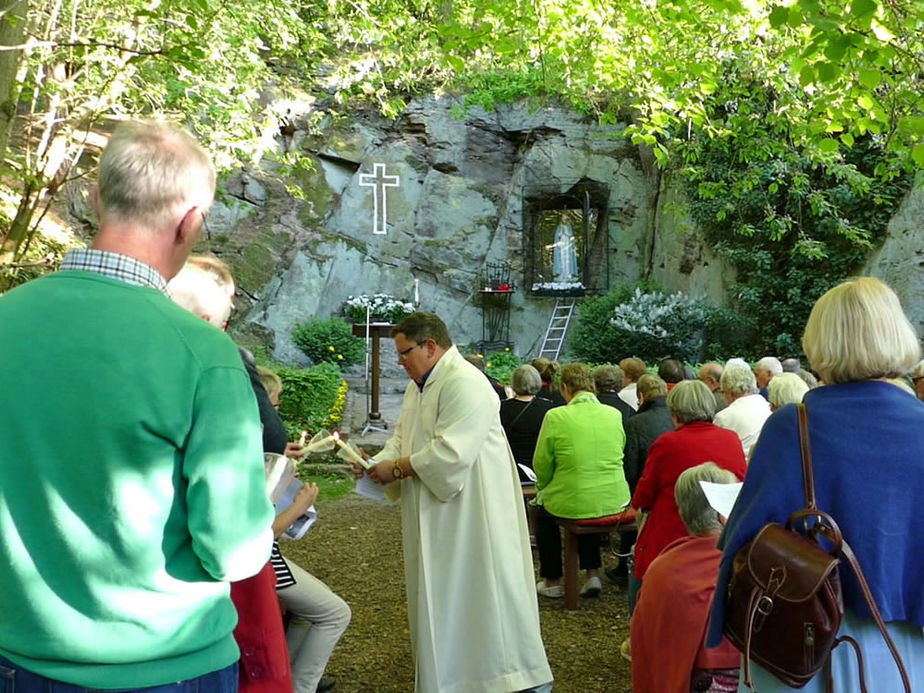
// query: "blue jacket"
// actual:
[[867, 442]]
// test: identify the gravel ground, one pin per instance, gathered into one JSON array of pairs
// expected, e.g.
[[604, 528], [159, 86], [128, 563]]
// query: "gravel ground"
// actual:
[[355, 547]]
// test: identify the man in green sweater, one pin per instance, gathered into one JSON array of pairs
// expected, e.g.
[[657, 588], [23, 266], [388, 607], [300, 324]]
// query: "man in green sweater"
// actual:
[[131, 466]]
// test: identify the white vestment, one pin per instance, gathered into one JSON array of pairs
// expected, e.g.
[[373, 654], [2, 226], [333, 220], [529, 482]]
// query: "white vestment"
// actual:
[[474, 618]]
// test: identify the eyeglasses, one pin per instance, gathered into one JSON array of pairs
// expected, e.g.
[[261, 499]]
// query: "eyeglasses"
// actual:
[[402, 355], [916, 378]]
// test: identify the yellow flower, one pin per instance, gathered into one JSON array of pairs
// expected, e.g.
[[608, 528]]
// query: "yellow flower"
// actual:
[[488, 364], [331, 348], [506, 348], [340, 357]]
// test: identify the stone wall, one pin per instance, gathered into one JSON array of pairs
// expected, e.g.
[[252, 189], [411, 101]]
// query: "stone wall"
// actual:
[[300, 240], [459, 205]]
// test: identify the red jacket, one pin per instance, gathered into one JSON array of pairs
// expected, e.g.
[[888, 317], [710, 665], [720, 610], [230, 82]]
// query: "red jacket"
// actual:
[[669, 622], [264, 666], [669, 456]]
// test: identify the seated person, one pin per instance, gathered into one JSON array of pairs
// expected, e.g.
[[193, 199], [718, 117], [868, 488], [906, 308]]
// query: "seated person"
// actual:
[[669, 623], [609, 380], [521, 416], [548, 370], [786, 388], [578, 465], [478, 362]]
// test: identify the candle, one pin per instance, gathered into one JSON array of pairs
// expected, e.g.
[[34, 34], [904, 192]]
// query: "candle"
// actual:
[[319, 445], [352, 454], [416, 291], [304, 437]]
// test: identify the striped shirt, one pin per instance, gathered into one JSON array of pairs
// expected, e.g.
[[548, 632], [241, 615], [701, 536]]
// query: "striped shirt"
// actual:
[[115, 266]]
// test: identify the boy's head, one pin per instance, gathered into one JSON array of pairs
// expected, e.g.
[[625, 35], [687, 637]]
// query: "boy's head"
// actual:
[[272, 383]]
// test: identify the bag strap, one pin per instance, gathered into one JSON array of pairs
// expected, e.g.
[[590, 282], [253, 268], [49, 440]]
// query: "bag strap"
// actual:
[[846, 551], [805, 446], [522, 411]]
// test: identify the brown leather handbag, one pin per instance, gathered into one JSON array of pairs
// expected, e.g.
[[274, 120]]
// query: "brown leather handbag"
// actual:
[[784, 597]]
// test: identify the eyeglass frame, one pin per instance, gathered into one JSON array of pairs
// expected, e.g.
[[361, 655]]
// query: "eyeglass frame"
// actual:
[[402, 355]]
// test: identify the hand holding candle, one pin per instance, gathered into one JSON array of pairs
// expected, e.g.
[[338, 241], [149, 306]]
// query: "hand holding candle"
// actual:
[[350, 453], [322, 442]]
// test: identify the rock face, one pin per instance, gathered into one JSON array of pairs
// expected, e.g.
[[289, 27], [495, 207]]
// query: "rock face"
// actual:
[[900, 261], [469, 191]]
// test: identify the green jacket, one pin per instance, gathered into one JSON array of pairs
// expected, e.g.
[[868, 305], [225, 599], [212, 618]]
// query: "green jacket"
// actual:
[[578, 459], [131, 484]]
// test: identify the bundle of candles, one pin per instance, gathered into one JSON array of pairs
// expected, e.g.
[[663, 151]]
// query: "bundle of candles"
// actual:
[[324, 441]]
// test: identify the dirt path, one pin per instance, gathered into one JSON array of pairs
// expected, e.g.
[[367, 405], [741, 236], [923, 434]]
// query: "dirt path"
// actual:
[[356, 549]]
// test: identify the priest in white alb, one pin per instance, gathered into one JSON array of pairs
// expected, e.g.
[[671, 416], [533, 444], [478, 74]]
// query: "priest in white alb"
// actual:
[[474, 619]]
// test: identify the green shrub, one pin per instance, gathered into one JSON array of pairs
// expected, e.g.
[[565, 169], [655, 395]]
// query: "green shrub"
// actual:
[[650, 324], [329, 340], [309, 395], [500, 365]]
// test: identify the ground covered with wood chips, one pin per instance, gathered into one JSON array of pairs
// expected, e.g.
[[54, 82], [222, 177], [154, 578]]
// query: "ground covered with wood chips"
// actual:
[[355, 547]]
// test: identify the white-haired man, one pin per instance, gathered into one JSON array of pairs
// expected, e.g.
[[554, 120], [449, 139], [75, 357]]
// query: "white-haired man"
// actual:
[[134, 484], [747, 410], [764, 371]]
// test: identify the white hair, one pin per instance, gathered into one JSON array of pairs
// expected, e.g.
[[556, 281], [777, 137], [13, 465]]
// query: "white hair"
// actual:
[[771, 364], [786, 388], [738, 379], [197, 291], [737, 361]]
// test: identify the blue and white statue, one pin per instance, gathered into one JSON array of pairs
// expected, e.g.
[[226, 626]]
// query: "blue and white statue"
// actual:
[[564, 256]]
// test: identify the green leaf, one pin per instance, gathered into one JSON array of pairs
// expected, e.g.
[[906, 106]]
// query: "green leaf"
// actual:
[[917, 154], [807, 75], [913, 125], [865, 101], [828, 146], [837, 48], [847, 139], [863, 8], [869, 77], [779, 16], [827, 72]]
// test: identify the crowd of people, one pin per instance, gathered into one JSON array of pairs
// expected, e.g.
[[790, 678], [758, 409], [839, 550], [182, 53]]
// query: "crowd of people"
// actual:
[[138, 546]]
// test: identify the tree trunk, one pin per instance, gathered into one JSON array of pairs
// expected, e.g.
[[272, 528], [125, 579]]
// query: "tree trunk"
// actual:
[[12, 33]]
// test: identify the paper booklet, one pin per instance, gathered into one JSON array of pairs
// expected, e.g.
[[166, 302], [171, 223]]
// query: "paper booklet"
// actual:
[[282, 487], [530, 474], [721, 497]]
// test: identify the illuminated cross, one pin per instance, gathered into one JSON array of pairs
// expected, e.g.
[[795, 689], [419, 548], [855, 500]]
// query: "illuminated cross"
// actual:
[[378, 181]]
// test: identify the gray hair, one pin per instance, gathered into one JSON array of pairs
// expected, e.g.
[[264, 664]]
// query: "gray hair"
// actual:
[[690, 401], [737, 361], [526, 380], [771, 364], [153, 173], [858, 331], [808, 378], [698, 516], [738, 380], [608, 378], [791, 365], [786, 388]]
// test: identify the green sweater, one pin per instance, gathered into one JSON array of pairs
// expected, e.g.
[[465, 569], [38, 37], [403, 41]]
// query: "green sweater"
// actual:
[[131, 484], [578, 459]]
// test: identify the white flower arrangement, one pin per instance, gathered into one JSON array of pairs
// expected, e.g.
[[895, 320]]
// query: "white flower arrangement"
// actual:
[[382, 307], [558, 286], [674, 318]]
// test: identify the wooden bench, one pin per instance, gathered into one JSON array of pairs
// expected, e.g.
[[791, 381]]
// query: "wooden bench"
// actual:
[[622, 522]]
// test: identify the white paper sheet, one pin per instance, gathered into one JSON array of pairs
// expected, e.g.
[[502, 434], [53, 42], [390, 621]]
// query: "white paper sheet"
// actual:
[[367, 488], [530, 474], [721, 497]]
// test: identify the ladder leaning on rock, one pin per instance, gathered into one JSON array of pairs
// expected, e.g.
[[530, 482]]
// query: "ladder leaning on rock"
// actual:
[[558, 328]]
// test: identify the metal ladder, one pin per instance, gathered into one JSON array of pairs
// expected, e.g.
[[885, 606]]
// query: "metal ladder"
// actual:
[[558, 328]]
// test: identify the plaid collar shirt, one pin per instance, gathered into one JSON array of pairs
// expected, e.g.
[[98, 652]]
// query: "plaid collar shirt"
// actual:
[[115, 266]]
